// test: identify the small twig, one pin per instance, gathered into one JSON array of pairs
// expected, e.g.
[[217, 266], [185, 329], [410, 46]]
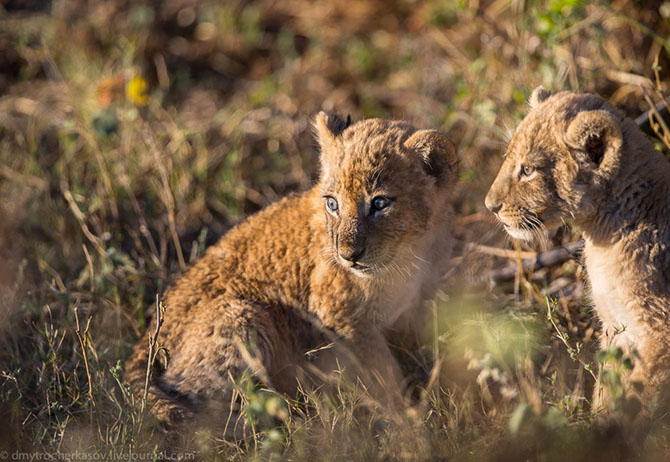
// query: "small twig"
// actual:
[[498, 252], [12, 378], [144, 226], [62, 433], [91, 271], [656, 120], [81, 218], [475, 217], [168, 197], [434, 379], [153, 341], [644, 117], [549, 258], [83, 341]]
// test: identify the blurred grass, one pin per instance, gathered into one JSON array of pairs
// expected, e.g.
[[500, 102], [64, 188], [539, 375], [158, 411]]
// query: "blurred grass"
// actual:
[[133, 134]]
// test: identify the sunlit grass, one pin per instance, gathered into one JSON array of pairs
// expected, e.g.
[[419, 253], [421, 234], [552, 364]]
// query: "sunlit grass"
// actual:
[[130, 139]]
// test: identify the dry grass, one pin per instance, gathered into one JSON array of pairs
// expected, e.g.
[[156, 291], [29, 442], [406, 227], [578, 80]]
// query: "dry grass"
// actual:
[[107, 192]]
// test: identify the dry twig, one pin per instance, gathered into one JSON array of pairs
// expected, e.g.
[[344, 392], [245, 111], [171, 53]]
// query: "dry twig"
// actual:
[[552, 257], [83, 341], [168, 197], [153, 342]]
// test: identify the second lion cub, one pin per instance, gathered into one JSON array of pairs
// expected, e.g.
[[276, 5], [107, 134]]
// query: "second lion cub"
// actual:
[[341, 264], [576, 158]]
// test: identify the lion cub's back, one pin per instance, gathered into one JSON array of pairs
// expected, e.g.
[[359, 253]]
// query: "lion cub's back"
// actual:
[[268, 253]]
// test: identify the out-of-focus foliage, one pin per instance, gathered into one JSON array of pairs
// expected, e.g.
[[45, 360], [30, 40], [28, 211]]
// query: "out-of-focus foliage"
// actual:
[[134, 133]]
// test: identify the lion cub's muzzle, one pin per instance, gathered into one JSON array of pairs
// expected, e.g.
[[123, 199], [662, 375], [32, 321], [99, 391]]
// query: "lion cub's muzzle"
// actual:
[[351, 252], [492, 203], [515, 222], [351, 243], [520, 224]]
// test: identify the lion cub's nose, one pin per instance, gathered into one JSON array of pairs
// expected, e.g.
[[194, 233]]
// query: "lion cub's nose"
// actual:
[[351, 254], [492, 205]]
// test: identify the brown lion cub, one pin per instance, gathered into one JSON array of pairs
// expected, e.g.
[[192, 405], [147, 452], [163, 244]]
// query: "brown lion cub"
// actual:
[[575, 157], [330, 271]]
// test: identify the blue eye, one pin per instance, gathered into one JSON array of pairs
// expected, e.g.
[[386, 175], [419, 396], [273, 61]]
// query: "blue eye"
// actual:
[[380, 203], [331, 204]]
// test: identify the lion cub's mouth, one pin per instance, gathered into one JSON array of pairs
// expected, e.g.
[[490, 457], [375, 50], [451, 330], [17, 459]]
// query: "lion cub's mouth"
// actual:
[[362, 270]]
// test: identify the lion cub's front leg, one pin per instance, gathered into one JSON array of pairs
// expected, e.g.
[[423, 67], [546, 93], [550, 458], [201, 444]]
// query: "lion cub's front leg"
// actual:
[[379, 370], [362, 362]]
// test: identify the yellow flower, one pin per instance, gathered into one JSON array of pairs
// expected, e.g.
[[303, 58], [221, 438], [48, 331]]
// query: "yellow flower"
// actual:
[[136, 91]]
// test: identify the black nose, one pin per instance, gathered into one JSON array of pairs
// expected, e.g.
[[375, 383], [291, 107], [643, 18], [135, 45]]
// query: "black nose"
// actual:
[[352, 254], [492, 202], [494, 207]]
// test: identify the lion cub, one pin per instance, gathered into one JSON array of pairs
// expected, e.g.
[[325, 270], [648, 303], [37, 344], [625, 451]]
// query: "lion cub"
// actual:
[[575, 157], [330, 272]]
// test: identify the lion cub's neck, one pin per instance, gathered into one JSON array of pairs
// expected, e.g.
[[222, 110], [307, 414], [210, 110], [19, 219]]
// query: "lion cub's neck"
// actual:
[[627, 250], [637, 200]]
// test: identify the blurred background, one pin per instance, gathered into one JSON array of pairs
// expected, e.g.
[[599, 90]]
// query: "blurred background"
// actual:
[[135, 133]]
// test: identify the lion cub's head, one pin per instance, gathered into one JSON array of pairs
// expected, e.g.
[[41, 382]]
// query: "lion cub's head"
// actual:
[[384, 185], [558, 163]]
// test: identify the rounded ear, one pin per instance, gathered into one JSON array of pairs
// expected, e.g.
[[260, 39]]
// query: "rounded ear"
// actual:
[[538, 96], [438, 154], [597, 134]]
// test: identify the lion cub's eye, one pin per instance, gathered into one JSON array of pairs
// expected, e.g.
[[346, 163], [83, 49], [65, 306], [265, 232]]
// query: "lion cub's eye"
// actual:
[[380, 203], [526, 170], [331, 204]]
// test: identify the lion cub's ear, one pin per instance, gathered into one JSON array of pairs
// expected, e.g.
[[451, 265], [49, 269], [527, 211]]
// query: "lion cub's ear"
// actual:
[[437, 154], [328, 127], [598, 135], [538, 96]]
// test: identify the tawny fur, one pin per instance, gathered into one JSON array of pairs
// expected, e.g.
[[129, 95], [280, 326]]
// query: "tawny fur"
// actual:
[[278, 285], [576, 158]]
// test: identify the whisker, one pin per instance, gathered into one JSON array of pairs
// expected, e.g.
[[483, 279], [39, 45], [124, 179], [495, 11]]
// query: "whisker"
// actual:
[[538, 229], [417, 257]]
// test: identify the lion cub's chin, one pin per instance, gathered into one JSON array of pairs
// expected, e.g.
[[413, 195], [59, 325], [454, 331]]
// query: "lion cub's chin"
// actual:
[[518, 233]]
